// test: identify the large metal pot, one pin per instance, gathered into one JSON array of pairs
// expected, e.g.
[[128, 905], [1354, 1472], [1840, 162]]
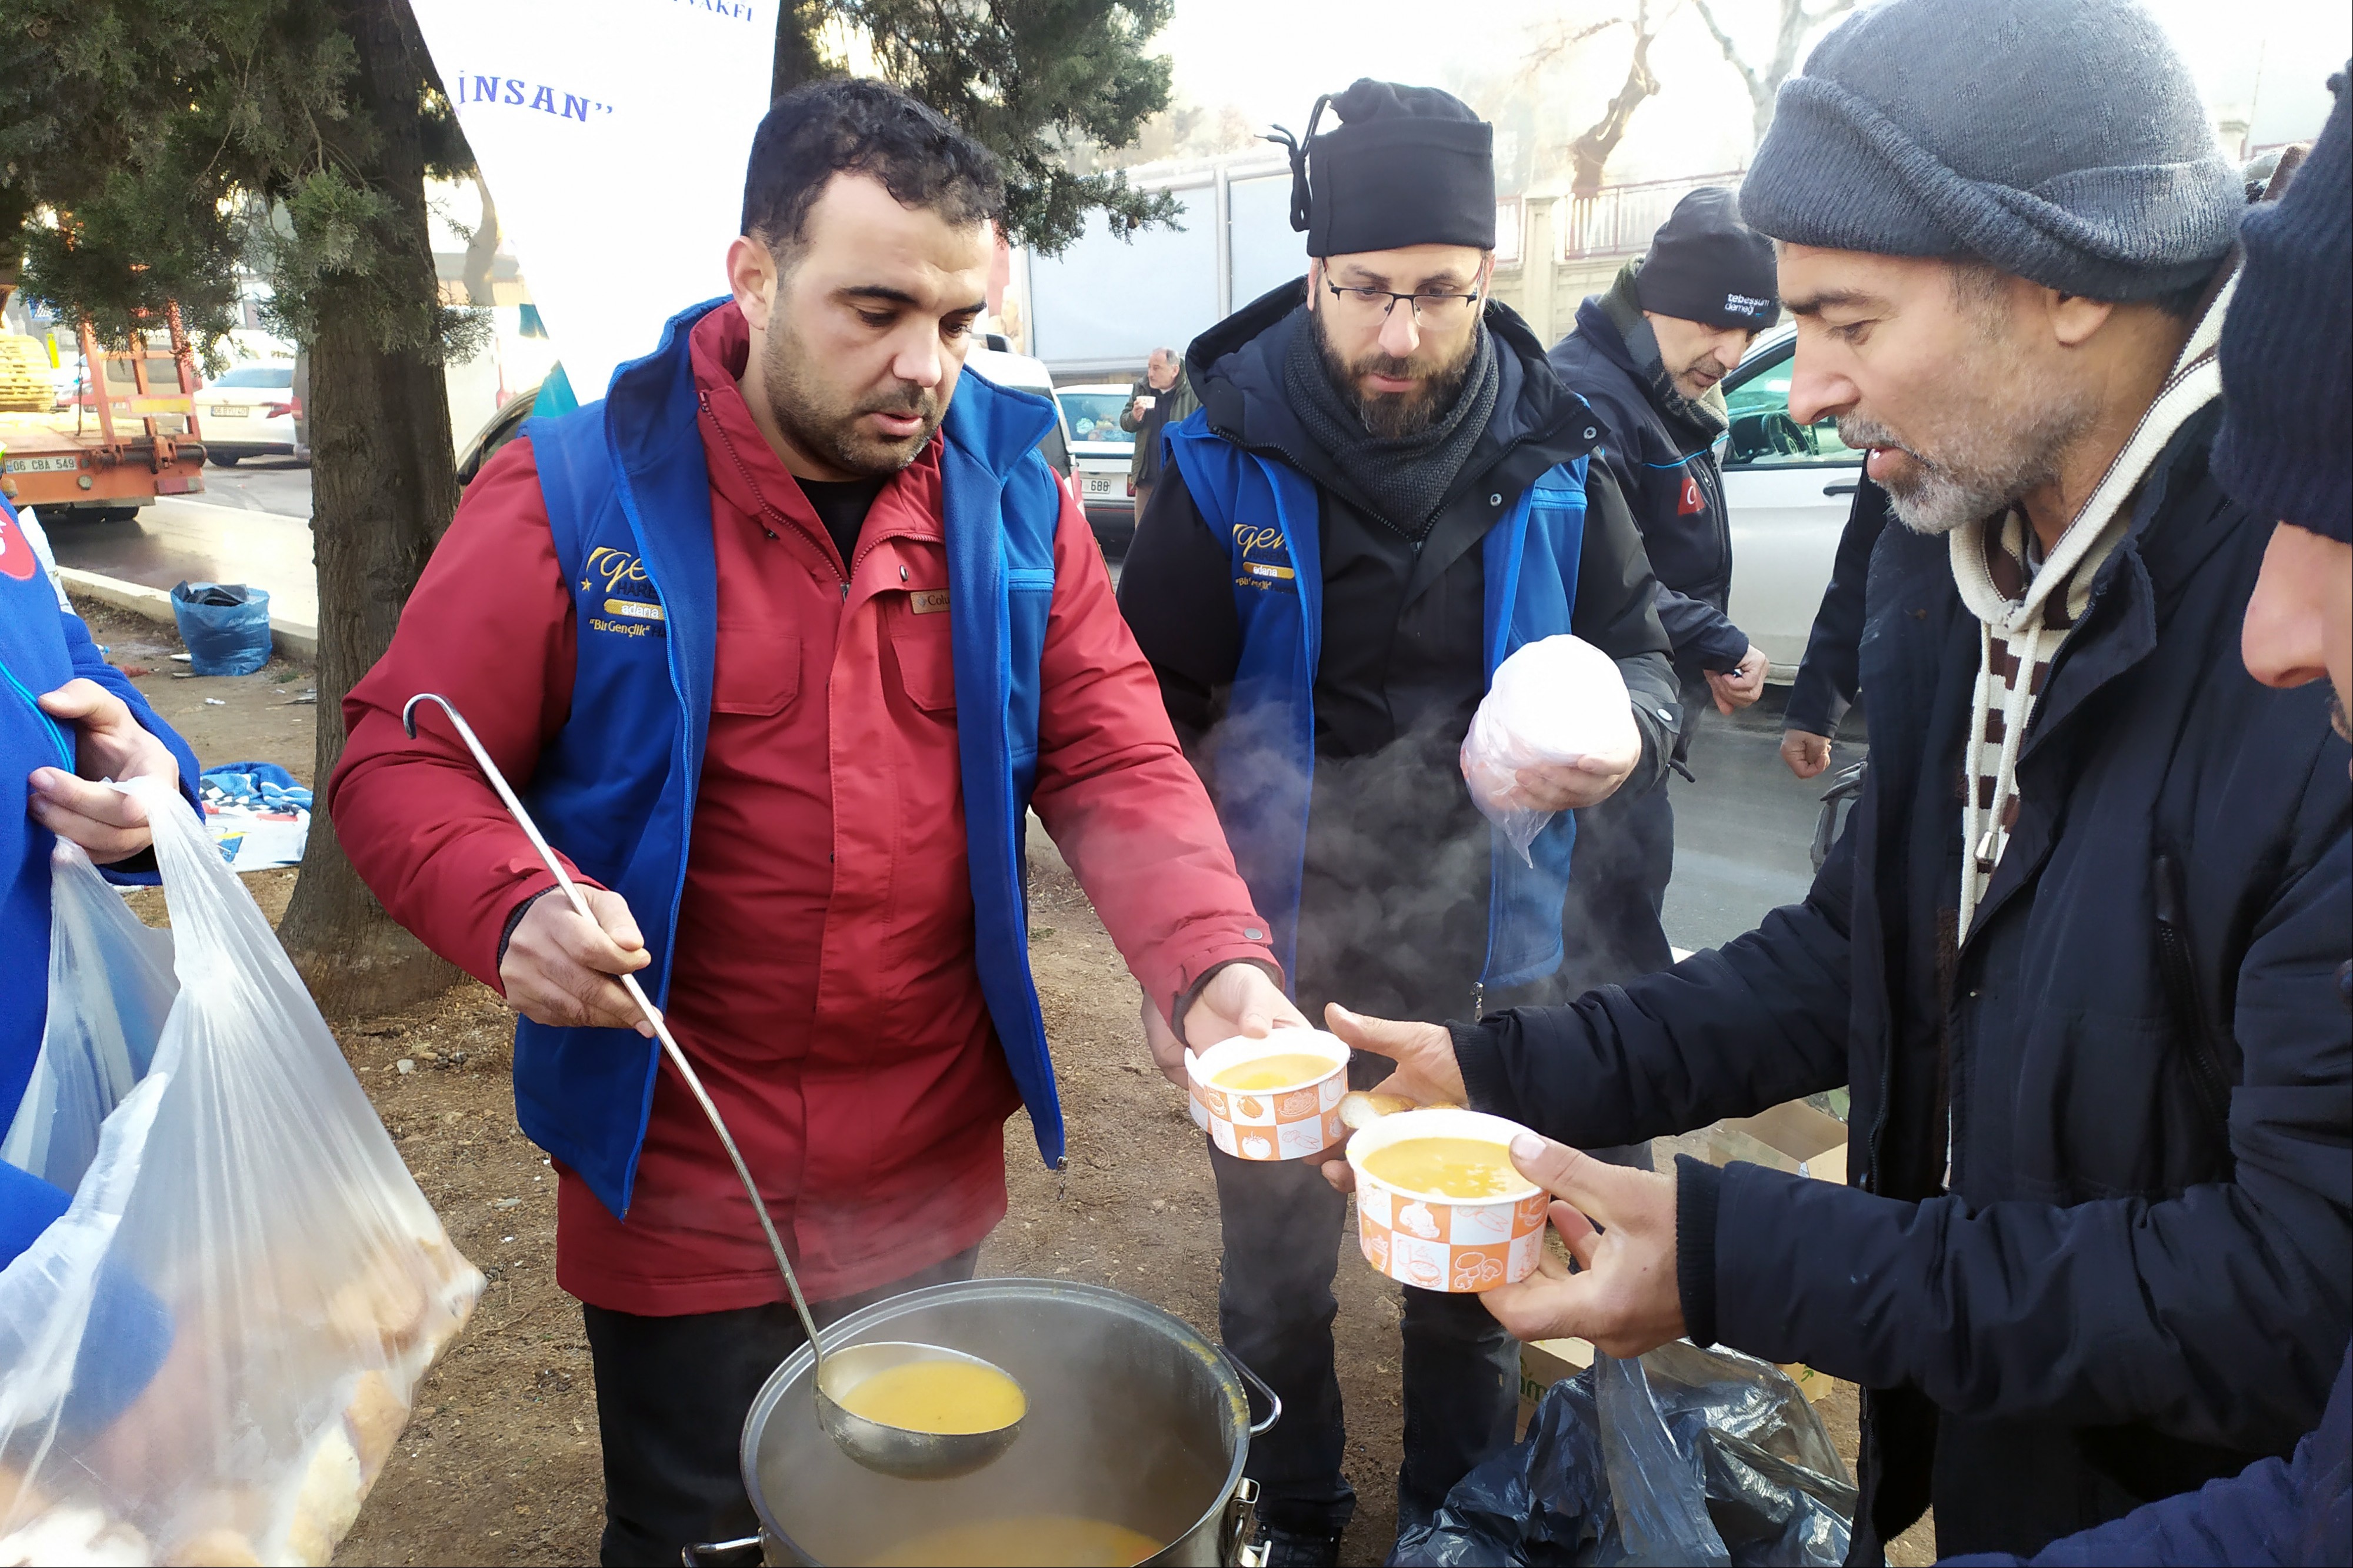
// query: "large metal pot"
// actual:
[[1134, 1419]]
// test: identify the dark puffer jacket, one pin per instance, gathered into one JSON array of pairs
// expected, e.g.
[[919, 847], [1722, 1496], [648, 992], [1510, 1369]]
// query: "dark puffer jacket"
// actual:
[[2142, 1276], [1673, 485]]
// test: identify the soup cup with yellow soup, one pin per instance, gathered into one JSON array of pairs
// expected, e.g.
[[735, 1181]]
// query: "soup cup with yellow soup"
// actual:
[[1273, 1098], [1440, 1204]]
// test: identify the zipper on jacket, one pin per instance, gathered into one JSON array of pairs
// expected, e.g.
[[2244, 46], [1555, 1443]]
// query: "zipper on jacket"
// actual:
[[57, 734], [2179, 974], [766, 505]]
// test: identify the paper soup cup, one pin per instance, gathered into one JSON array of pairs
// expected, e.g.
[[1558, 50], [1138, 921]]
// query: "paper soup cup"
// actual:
[[1285, 1123], [1440, 1242]]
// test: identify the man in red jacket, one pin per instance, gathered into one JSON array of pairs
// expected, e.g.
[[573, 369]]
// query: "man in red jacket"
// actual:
[[822, 942]]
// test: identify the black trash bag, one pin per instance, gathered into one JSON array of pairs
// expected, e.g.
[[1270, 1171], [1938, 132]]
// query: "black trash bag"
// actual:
[[1686, 1456], [225, 625]]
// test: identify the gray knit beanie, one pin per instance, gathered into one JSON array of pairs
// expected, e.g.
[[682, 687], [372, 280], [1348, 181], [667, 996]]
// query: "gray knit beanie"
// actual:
[[2061, 141]]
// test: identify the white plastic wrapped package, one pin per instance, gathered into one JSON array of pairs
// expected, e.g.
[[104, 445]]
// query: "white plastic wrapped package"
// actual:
[[209, 1357], [1554, 701]]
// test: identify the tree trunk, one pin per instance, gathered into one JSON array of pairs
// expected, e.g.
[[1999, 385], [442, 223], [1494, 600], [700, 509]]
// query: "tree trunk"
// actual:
[[383, 484], [482, 252], [798, 61]]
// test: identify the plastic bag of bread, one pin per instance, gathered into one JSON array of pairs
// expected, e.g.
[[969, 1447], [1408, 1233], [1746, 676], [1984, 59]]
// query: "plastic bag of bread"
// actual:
[[1552, 702], [209, 1355]]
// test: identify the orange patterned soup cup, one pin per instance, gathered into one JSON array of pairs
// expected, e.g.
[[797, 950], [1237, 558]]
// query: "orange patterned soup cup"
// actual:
[[1288, 1121], [1439, 1243]]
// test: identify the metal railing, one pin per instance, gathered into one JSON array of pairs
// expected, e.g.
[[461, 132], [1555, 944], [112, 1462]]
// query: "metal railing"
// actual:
[[1618, 220]]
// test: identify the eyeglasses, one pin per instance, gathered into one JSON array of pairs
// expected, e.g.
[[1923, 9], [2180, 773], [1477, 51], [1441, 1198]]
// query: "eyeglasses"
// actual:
[[1438, 310]]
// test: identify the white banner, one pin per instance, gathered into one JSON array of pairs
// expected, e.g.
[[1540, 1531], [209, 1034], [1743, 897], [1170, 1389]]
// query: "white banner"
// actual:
[[613, 136]]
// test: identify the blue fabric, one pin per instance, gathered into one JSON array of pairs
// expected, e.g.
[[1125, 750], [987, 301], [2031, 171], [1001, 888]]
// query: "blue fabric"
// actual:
[[2275, 1511], [261, 786], [628, 502], [41, 648], [1268, 514]]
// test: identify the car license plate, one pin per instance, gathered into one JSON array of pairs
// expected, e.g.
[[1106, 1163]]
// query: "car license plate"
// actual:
[[42, 465], [1098, 484], [229, 411]]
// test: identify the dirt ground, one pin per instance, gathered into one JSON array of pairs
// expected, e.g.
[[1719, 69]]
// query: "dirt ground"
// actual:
[[500, 1462]]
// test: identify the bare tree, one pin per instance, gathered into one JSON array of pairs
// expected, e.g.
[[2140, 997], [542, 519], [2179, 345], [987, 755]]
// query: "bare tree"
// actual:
[[1796, 23], [1590, 151]]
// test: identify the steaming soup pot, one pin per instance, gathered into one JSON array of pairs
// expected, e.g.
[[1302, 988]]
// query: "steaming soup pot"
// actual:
[[1134, 1420]]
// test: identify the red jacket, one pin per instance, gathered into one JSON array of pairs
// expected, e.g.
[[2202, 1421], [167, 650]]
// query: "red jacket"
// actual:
[[823, 980]]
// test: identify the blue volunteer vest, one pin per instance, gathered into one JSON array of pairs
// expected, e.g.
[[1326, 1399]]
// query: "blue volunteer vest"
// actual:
[[1267, 513], [628, 504]]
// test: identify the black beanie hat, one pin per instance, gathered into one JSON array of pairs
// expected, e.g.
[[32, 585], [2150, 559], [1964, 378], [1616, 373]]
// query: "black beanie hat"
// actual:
[[2287, 346], [1405, 165], [1706, 264]]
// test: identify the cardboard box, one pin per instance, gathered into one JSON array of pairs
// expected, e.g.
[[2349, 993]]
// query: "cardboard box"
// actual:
[[1544, 1362]]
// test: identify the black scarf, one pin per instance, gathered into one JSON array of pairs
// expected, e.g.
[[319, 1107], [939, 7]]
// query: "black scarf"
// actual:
[[1703, 418], [1402, 480]]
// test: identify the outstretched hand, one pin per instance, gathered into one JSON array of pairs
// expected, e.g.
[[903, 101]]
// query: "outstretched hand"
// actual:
[[1626, 1299], [1425, 1072], [1240, 999]]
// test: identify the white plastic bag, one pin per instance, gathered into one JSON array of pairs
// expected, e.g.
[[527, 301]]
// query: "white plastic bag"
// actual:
[[208, 1358], [1553, 701], [109, 987]]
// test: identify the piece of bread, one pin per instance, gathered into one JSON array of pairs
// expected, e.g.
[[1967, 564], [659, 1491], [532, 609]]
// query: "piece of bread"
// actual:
[[219, 1547], [375, 1414], [77, 1533], [322, 1501]]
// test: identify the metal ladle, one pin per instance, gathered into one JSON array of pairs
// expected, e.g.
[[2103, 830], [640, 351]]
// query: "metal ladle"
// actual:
[[893, 1450]]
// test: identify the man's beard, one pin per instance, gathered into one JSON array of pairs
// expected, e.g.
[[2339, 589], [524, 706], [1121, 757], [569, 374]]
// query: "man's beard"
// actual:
[[1688, 378], [1394, 416], [2337, 720], [820, 421], [2001, 433]]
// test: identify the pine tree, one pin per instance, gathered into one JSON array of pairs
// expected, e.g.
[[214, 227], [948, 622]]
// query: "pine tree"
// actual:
[[1029, 77], [147, 147]]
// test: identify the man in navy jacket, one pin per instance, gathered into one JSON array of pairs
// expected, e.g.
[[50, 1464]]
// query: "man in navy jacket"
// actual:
[[2096, 1250]]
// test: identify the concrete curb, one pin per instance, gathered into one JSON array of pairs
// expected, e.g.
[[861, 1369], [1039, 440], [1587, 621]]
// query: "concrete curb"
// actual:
[[294, 639]]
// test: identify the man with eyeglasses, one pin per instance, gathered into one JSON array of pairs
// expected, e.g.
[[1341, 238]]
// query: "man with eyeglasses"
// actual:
[[1385, 489]]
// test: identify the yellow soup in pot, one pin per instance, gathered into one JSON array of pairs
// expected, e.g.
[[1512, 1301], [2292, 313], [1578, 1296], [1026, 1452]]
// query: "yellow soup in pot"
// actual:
[[943, 1397], [1042, 1540], [1289, 1071], [1466, 1169]]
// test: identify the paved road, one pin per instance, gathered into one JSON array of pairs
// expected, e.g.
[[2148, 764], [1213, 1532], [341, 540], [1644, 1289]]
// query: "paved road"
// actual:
[[1744, 831], [261, 484], [201, 541]]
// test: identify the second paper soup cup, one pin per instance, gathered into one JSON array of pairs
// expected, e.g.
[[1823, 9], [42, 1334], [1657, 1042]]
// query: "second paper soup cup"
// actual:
[[1439, 1243], [1283, 1121]]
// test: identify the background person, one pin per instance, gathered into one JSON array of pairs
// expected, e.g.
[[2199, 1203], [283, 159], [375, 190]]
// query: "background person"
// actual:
[[1310, 585], [1827, 681], [1161, 399], [812, 859], [1646, 357], [2098, 1247]]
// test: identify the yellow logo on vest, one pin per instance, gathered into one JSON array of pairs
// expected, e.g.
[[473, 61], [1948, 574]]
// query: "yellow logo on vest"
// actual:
[[620, 572], [1263, 557]]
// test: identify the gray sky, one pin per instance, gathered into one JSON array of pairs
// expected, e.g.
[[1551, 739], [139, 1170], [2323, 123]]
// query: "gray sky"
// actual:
[[1271, 60]]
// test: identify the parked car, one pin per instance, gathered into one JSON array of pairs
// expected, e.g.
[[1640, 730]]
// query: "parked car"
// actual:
[[248, 413], [1023, 373], [1102, 451], [1788, 488]]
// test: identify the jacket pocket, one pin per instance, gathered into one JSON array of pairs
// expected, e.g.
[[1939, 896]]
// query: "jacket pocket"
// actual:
[[757, 670], [927, 660]]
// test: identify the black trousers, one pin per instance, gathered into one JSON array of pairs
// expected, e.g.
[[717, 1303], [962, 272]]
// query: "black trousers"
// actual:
[[671, 1395]]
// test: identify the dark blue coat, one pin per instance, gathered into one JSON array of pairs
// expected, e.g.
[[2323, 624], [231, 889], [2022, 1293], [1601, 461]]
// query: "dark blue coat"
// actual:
[[2294, 1514], [1827, 678], [2143, 1272], [1673, 485]]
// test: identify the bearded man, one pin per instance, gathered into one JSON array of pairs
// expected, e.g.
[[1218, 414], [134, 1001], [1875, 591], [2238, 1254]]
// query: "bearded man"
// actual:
[[1320, 583], [784, 637], [2074, 952]]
